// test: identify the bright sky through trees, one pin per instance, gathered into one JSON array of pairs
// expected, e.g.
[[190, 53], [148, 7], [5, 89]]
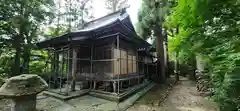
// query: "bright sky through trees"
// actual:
[[100, 10]]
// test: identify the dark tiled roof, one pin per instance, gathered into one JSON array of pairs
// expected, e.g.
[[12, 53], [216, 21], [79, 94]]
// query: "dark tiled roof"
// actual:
[[120, 15], [120, 19]]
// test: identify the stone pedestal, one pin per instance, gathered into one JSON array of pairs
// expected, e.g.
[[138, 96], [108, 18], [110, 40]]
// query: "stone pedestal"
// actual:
[[24, 103], [23, 90]]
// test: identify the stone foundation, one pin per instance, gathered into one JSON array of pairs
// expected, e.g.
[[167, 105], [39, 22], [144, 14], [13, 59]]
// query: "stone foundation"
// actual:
[[24, 103]]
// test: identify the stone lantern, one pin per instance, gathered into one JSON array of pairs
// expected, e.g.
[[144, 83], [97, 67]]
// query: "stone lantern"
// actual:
[[23, 90]]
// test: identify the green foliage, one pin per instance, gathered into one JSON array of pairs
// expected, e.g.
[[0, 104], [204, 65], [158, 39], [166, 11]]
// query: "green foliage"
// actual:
[[6, 60], [37, 63], [19, 26], [25, 22], [150, 16], [211, 28]]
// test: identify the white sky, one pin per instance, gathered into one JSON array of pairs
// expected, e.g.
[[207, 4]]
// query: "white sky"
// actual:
[[100, 10]]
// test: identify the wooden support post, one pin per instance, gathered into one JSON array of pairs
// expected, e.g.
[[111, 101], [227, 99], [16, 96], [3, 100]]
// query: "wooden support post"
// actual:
[[56, 67], [68, 69], [62, 69], [60, 78], [137, 67], [129, 82], [49, 77], [157, 71], [91, 66], [74, 64], [119, 65], [94, 84], [147, 72], [53, 68], [114, 86], [121, 83]]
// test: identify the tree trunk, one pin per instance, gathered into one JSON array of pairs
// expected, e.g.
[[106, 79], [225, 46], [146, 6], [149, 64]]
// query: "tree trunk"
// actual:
[[177, 70], [16, 66], [114, 6], [176, 67], [26, 56], [193, 68], [167, 64], [26, 60], [160, 52]]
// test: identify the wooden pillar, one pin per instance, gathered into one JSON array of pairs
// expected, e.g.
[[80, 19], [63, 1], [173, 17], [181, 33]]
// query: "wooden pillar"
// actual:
[[62, 67], [119, 58], [47, 67], [147, 72], [55, 69], [129, 82], [91, 67], [74, 64], [121, 84], [94, 84], [156, 65], [68, 72], [114, 86], [137, 66]]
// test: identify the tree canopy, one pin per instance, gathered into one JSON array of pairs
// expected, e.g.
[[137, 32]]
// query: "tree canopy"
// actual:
[[211, 28], [21, 20], [25, 22], [151, 17]]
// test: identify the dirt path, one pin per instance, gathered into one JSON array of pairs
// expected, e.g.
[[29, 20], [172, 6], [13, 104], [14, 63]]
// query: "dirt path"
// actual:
[[182, 97]]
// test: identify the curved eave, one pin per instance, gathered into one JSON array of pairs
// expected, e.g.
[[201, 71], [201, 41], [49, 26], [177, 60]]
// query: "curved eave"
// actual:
[[113, 27], [134, 36], [72, 35]]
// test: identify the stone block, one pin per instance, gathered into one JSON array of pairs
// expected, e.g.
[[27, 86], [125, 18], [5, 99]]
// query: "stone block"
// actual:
[[23, 90]]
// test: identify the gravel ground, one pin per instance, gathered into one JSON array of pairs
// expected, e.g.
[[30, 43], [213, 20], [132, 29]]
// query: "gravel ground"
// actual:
[[181, 97], [4, 105], [43, 103]]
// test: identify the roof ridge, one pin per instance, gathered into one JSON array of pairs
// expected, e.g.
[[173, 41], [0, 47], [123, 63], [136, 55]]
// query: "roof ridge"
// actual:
[[123, 10]]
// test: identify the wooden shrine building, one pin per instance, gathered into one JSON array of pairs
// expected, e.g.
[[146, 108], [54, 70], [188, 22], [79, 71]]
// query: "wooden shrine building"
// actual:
[[105, 55]]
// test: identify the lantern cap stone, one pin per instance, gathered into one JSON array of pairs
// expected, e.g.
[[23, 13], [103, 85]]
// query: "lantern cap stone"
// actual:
[[23, 85]]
